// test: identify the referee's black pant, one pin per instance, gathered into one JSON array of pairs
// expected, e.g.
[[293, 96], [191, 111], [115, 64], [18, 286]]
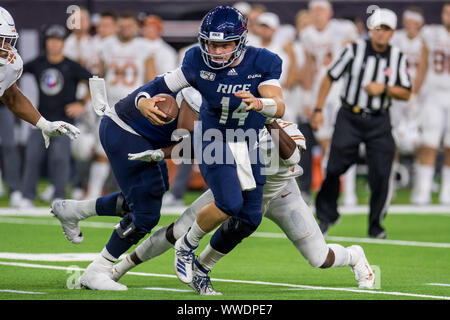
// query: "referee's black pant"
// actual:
[[374, 130]]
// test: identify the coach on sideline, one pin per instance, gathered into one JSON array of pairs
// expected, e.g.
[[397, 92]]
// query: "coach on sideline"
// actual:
[[374, 73]]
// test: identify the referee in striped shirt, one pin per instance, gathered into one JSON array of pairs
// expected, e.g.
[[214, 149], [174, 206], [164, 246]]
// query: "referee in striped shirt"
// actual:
[[374, 72]]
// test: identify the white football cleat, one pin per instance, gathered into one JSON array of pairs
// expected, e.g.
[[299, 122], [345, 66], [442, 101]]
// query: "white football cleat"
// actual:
[[48, 193], [362, 270], [99, 277], [66, 212], [15, 199], [26, 203], [184, 259]]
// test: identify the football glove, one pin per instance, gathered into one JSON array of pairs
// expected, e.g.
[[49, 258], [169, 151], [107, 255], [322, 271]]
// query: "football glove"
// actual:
[[56, 128], [147, 156]]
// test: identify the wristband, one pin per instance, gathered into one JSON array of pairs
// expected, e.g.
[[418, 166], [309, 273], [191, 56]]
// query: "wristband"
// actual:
[[140, 95], [269, 107], [317, 110]]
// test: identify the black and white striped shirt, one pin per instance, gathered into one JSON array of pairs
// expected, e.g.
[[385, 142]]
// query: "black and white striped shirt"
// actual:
[[360, 65]]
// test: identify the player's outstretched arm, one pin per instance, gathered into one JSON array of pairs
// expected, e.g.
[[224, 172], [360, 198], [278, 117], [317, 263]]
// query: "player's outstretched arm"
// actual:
[[19, 104]]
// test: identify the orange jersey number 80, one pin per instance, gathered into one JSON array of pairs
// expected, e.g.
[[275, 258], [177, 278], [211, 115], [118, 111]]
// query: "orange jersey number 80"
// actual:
[[123, 74], [441, 62]]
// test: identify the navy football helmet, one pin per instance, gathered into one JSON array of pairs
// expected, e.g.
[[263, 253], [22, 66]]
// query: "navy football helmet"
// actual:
[[222, 24]]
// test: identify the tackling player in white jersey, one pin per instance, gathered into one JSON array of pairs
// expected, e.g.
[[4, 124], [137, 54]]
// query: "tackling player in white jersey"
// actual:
[[11, 67], [433, 75], [281, 143], [282, 203], [324, 40]]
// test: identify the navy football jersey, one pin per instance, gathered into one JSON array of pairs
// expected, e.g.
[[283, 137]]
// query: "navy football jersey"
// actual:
[[221, 110], [224, 110]]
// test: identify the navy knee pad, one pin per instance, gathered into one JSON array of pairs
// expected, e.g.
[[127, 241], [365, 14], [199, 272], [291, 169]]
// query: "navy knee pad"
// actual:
[[230, 234], [128, 231]]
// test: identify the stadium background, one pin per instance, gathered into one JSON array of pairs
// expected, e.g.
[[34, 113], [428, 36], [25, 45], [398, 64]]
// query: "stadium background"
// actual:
[[181, 21]]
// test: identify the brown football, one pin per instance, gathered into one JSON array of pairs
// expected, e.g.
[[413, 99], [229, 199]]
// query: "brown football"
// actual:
[[169, 107]]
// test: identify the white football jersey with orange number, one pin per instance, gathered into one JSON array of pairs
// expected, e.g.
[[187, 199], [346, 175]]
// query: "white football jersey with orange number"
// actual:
[[412, 48], [437, 40], [125, 66], [10, 72]]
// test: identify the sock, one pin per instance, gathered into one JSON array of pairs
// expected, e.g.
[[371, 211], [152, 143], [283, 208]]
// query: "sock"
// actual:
[[97, 176], [1, 183], [125, 265], [116, 245], [425, 179], [341, 255], [349, 181], [353, 256], [105, 258], [107, 205], [86, 208], [153, 246], [445, 184], [195, 234], [208, 258]]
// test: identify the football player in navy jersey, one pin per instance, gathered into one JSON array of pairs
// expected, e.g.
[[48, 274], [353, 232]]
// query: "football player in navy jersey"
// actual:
[[241, 89]]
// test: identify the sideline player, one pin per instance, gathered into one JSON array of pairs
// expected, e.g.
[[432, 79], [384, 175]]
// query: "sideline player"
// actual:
[[433, 74], [11, 67], [404, 117], [324, 40], [282, 203]]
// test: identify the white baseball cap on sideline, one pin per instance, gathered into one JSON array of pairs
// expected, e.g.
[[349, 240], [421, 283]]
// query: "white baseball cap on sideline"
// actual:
[[269, 19], [382, 17]]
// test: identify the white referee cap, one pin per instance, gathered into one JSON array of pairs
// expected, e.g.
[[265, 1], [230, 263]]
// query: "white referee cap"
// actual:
[[382, 17]]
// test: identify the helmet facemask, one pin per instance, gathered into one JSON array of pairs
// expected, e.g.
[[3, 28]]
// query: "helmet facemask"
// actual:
[[209, 58], [7, 45]]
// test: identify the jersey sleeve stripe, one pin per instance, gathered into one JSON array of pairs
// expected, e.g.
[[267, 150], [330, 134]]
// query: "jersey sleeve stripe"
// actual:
[[271, 82], [338, 68]]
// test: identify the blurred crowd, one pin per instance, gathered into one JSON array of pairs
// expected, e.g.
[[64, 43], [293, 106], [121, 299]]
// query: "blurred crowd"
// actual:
[[129, 51]]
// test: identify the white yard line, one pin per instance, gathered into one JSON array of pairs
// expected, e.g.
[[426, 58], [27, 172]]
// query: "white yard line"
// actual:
[[344, 210], [392, 293], [391, 242], [438, 284], [167, 289], [19, 291]]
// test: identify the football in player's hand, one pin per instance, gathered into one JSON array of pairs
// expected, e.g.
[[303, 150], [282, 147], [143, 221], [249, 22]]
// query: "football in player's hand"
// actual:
[[168, 106]]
